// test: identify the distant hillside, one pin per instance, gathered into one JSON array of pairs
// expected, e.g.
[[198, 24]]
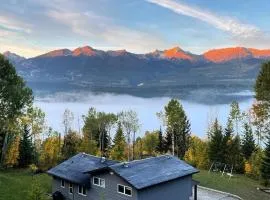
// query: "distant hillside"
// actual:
[[172, 72]]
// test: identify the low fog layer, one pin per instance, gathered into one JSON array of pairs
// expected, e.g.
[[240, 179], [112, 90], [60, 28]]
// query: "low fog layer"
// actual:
[[200, 115]]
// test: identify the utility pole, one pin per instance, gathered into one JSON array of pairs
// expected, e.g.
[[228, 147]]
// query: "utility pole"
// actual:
[[133, 145], [173, 143], [79, 125]]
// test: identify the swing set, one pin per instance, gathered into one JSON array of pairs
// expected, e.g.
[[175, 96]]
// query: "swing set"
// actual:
[[224, 169]]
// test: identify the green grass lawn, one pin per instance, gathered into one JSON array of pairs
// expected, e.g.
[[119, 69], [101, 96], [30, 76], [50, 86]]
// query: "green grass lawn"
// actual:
[[239, 185], [15, 184]]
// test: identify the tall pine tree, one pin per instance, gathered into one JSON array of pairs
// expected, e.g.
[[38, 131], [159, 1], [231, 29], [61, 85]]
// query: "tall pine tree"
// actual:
[[262, 86], [248, 142], [235, 155], [262, 91], [26, 155], [168, 141], [215, 150], [118, 149], [227, 141], [178, 128], [160, 147], [265, 166]]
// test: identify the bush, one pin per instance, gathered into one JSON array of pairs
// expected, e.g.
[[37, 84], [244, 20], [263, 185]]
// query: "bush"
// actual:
[[36, 192], [33, 168]]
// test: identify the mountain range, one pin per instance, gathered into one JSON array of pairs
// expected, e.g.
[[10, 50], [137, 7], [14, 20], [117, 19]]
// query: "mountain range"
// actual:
[[172, 72]]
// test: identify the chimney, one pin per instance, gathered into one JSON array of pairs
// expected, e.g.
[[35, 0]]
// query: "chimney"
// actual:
[[103, 159], [125, 164]]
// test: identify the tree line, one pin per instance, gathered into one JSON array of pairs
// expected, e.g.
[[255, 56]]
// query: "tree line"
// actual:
[[244, 142]]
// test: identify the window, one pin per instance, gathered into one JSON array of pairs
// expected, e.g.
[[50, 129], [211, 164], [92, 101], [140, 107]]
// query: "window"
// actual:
[[99, 182], [128, 191], [102, 183], [71, 188], [124, 190], [96, 181], [82, 190], [62, 183]]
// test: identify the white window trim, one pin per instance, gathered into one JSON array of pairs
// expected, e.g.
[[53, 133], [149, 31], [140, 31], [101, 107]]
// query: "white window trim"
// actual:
[[63, 181], [82, 187], [124, 190], [71, 186], [99, 181]]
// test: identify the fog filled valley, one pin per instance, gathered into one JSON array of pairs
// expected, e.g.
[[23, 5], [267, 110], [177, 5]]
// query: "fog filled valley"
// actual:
[[199, 113]]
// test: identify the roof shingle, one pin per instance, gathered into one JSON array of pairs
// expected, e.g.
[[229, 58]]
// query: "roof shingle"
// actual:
[[139, 173], [73, 169], [152, 171]]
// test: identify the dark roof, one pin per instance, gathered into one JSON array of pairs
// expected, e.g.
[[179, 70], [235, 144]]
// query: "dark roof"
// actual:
[[73, 169], [152, 171], [140, 173]]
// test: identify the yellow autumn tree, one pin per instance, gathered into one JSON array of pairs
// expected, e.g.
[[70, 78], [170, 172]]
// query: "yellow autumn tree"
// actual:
[[12, 155], [248, 168], [50, 153], [197, 153]]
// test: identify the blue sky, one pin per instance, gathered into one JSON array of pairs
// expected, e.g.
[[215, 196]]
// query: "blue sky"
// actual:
[[32, 27]]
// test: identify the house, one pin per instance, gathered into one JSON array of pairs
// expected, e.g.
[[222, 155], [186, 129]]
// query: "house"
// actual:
[[93, 178]]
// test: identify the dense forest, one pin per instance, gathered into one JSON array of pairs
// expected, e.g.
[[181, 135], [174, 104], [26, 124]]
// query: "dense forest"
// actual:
[[26, 141]]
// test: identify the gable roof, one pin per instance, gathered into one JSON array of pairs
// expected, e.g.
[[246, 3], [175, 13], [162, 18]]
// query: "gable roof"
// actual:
[[139, 173], [152, 171], [73, 169]]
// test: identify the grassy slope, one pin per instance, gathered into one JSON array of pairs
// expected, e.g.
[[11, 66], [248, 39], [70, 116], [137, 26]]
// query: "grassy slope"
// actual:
[[14, 185], [239, 185]]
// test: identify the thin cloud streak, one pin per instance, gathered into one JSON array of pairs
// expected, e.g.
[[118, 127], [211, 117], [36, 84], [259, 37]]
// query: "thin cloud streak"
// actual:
[[85, 24], [232, 26], [9, 25]]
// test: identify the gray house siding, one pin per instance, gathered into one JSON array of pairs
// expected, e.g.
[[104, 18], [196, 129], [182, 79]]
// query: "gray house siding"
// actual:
[[96, 192], [110, 190], [56, 186], [179, 189]]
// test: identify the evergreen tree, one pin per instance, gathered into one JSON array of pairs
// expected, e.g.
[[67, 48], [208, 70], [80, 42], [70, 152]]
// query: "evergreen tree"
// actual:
[[139, 148], [248, 142], [183, 137], [104, 141], [262, 86], [118, 150], [262, 91], [227, 141], [160, 147], [168, 141], [178, 128], [26, 155], [265, 165], [71, 144], [216, 143], [235, 157]]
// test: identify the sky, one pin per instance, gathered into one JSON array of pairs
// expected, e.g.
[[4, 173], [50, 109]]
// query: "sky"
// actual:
[[32, 27]]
